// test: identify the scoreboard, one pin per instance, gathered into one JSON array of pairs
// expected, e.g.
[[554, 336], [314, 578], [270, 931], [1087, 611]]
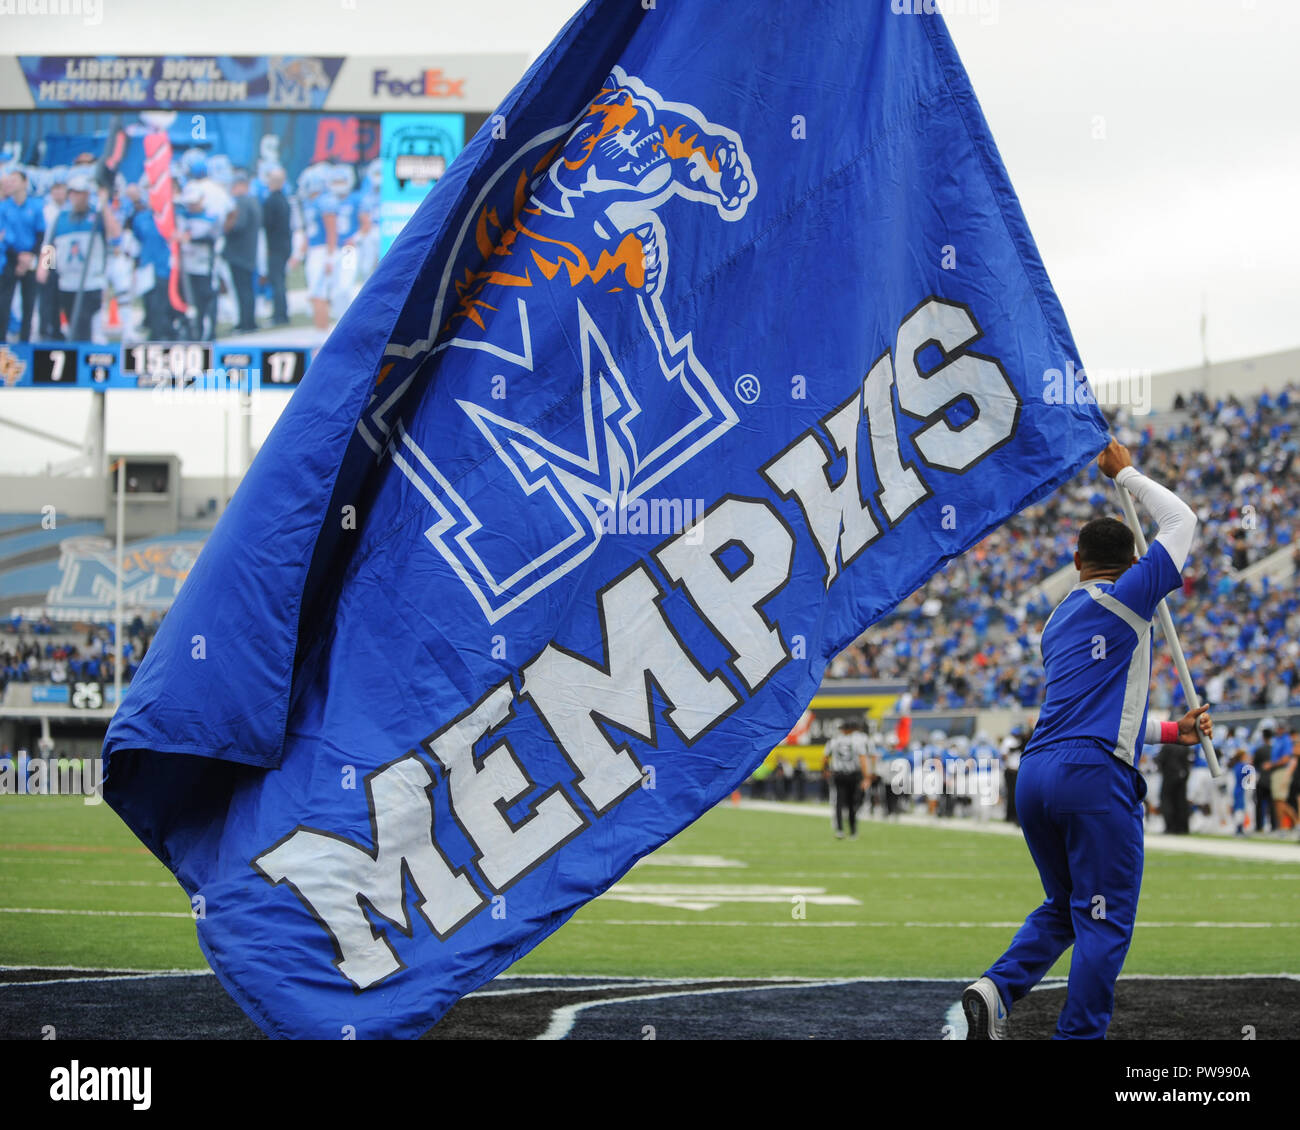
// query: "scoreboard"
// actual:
[[152, 365]]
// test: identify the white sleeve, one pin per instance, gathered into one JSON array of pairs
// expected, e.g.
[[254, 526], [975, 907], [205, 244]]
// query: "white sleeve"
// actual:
[[1177, 520], [1152, 735]]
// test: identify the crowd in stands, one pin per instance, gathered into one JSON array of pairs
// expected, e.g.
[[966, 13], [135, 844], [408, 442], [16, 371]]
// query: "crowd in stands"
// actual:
[[969, 638], [44, 651]]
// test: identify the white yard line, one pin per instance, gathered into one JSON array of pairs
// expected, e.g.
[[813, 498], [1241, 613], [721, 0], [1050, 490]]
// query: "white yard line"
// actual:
[[805, 924], [563, 1019], [140, 976], [102, 969], [26, 879], [105, 913], [1262, 851], [757, 924]]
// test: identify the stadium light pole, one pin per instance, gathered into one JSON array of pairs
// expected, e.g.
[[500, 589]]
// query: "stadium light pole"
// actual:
[[1171, 636], [120, 468]]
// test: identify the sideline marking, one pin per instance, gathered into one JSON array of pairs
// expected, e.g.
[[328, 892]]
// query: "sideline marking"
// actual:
[[86, 849], [142, 975], [105, 913], [696, 922], [1224, 847], [564, 1018], [667, 859], [23, 879], [758, 923], [708, 896]]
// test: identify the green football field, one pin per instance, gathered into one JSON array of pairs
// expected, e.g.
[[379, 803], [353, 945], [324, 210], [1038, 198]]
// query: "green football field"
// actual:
[[740, 893]]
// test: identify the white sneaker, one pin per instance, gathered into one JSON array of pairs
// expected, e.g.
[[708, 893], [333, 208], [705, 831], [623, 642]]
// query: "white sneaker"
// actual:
[[986, 1016]]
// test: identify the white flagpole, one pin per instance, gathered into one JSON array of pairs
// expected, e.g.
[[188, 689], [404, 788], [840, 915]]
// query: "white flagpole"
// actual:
[[120, 562], [1171, 636]]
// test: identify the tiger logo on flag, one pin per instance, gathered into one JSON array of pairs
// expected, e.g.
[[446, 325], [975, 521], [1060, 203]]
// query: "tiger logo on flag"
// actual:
[[566, 254]]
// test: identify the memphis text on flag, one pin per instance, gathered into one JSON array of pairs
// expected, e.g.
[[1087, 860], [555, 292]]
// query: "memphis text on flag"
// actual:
[[573, 694]]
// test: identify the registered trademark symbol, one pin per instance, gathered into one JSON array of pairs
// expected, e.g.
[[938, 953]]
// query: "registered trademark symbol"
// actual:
[[748, 388]]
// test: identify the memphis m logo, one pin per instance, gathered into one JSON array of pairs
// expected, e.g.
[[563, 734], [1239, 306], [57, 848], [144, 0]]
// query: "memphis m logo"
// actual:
[[152, 574], [551, 335]]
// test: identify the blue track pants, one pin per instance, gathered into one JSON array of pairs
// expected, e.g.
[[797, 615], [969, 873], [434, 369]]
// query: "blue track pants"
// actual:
[[1081, 811]]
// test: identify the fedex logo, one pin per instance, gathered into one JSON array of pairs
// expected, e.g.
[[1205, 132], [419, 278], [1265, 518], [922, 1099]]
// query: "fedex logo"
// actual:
[[429, 84]]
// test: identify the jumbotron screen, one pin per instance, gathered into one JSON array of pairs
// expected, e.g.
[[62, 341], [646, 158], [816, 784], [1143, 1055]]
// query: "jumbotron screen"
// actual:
[[186, 219]]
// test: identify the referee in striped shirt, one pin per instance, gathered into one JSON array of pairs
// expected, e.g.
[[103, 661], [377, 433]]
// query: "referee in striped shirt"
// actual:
[[846, 758], [1078, 794]]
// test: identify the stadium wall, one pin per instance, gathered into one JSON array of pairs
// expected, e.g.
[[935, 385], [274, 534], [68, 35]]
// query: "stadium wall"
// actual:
[[202, 497], [73, 498], [1246, 376]]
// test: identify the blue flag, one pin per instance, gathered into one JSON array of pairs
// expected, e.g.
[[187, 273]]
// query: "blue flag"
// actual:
[[695, 363]]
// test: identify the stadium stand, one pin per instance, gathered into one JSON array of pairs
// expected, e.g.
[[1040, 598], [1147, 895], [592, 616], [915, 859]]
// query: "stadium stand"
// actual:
[[42, 651], [968, 639]]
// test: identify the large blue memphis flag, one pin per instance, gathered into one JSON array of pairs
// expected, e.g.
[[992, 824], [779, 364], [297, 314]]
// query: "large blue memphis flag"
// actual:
[[697, 362]]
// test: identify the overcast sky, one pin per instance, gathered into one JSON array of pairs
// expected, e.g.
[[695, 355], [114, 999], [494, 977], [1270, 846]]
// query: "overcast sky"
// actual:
[[1153, 143]]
